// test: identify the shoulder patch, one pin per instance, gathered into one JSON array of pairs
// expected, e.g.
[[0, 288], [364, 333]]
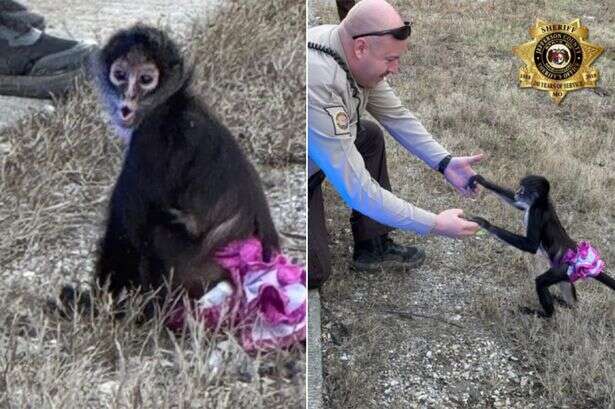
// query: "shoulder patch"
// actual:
[[341, 120]]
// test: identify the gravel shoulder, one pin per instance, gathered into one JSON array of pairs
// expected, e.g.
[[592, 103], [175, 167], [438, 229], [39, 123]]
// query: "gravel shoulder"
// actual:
[[413, 338]]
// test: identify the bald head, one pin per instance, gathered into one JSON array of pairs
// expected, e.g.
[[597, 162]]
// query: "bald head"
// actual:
[[371, 15], [371, 58]]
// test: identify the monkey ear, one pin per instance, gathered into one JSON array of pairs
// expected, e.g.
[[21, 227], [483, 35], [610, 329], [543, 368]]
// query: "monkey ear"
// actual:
[[178, 76]]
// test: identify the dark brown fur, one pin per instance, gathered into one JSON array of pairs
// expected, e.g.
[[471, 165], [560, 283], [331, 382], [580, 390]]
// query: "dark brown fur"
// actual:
[[185, 188]]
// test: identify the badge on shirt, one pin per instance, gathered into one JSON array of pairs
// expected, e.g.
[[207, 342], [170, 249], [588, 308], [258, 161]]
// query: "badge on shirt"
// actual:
[[558, 58], [340, 118]]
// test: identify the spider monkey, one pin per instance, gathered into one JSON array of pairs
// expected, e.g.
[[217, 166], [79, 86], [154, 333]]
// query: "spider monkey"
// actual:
[[544, 232], [185, 188]]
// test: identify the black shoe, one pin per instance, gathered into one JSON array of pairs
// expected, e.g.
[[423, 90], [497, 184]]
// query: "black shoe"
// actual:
[[382, 252], [14, 11], [28, 18], [49, 66]]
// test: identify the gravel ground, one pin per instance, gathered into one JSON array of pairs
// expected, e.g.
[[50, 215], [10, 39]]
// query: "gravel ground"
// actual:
[[414, 338]]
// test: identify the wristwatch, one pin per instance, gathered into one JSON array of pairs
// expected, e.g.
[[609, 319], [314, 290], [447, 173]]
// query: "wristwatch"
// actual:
[[444, 163]]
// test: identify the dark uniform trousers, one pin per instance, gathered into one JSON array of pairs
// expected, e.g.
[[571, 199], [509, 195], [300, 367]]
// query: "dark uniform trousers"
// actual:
[[370, 144]]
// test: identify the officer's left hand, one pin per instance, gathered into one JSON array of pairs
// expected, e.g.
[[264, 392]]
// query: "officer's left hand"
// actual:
[[459, 171]]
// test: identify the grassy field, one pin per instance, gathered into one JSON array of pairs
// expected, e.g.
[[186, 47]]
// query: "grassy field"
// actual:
[[460, 78], [56, 172]]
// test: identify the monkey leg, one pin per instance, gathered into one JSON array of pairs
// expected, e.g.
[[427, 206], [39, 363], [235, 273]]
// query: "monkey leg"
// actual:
[[568, 294], [561, 301], [607, 280], [182, 262], [543, 282]]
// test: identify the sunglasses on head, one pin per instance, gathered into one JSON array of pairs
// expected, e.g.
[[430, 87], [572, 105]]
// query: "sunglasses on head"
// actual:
[[399, 33]]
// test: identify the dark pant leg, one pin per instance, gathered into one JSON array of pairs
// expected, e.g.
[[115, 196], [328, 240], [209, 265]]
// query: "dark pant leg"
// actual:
[[343, 7], [319, 258], [370, 143]]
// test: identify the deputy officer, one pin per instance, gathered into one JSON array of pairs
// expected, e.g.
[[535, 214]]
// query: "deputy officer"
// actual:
[[347, 67]]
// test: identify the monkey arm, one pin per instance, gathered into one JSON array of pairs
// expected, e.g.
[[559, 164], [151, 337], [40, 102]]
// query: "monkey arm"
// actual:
[[505, 194], [529, 243], [118, 259]]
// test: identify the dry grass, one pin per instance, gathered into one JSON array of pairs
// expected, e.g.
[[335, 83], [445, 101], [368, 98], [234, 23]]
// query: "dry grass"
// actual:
[[254, 63], [55, 182], [459, 77]]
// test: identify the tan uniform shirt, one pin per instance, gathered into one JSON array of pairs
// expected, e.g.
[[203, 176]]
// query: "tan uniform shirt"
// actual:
[[331, 137]]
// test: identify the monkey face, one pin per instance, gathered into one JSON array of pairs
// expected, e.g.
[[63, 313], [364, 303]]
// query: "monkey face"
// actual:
[[136, 71], [523, 198], [531, 189], [134, 77]]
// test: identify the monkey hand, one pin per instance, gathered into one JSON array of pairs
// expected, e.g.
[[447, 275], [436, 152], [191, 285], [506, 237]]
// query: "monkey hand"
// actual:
[[451, 223], [459, 171], [481, 222], [474, 181]]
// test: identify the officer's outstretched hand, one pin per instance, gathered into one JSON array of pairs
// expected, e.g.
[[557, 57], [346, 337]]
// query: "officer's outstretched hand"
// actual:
[[450, 223], [459, 171]]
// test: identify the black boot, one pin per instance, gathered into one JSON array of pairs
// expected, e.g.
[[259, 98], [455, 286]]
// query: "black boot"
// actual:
[[382, 252], [13, 10], [49, 66]]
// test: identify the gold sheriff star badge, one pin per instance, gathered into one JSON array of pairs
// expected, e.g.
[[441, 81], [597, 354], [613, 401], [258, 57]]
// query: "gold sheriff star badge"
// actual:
[[558, 58]]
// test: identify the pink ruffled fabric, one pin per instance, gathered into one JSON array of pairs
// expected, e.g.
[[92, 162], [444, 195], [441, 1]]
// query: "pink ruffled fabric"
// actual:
[[584, 262], [264, 301]]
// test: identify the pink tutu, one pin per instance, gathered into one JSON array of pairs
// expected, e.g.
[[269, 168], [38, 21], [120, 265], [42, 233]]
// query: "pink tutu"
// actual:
[[584, 262], [264, 301]]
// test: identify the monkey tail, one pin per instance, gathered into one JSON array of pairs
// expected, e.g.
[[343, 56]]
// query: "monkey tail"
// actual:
[[269, 237], [607, 280]]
